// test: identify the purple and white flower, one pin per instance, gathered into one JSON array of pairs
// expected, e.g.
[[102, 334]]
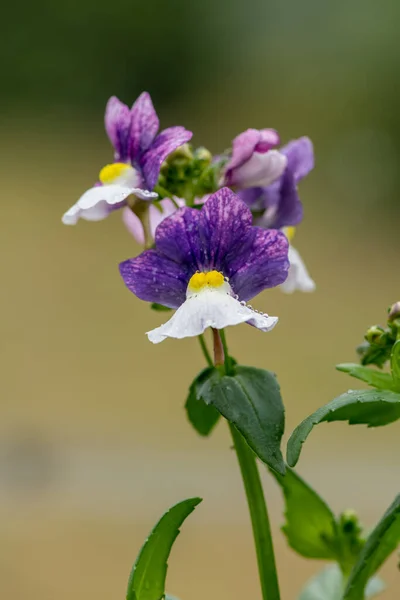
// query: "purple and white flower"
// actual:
[[281, 207], [253, 162], [138, 155], [207, 264]]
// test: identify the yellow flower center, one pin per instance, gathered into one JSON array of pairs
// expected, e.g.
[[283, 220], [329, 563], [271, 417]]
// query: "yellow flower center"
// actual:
[[200, 280], [110, 173], [289, 232]]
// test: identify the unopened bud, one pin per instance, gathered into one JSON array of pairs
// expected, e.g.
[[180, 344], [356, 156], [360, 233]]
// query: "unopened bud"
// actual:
[[203, 154], [349, 522], [394, 311], [184, 151], [374, 334]]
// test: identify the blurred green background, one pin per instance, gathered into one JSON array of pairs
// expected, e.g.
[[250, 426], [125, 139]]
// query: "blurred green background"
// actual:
[[94, 444]]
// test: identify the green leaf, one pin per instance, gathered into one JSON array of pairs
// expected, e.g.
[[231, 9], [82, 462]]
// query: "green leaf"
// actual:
[[328, 585], [395, 363], [147, 578], [202, 416], [250, 399], [369, 407], [381, 542], [310, 526], [159, 307], [383, 381]]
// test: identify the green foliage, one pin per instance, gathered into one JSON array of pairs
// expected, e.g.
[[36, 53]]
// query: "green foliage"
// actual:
[[381, 542], [328, 585], [379, 341], [159, 307], [377, 379], [202, 416], [310, 527], [147, 578], [369, 407], [250, 399], [395, 364]]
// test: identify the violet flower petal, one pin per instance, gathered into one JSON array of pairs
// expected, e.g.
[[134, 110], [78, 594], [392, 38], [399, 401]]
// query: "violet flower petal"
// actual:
[[144, 126], [117, 122], [253, 197], [226, 228], [178, 237], [282, 203], [300, 155], [248, 142], [269, 139], [155, 278], [243, 147], [166, 142], [265, 266]]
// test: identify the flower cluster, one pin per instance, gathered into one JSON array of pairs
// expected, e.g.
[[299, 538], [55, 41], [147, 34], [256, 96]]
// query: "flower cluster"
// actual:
[[216, 230]]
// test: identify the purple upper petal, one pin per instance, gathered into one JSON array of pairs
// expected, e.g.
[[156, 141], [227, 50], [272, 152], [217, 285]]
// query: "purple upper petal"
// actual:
[[282, 203], [153, 277], [220, 236], [300, 155], [144, 126], [209, 238], [248, 142], [243, 147], [265, 265], [117, 122], [166, 142], [226, 227], [269, 138], [179, 238]]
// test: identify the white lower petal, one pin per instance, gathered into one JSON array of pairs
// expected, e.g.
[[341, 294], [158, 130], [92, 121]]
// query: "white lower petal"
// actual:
[[298, 277], [97, 203], [209, 308]]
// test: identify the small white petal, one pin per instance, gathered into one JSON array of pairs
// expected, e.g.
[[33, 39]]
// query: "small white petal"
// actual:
[[209, 308], [97, 203], [298, 277], [144, 194], [261, 169]]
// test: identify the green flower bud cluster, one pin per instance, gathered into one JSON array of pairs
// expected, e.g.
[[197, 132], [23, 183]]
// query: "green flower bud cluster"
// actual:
[[351, 536], [379, 341], [189, 174]]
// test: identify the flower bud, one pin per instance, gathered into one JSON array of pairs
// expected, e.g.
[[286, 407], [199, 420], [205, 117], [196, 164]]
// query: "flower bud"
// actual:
[[349, 522], [374, 334], [203, 155], [394, 312], [183, 152], [351, 532]]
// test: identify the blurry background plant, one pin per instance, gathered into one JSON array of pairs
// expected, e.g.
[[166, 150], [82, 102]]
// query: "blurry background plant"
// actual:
[[81, 482]]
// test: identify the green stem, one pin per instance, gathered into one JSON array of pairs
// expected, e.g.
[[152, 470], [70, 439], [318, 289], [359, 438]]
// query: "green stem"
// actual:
[[204, 348], [255, 496], [161, 191], [259, 517]]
